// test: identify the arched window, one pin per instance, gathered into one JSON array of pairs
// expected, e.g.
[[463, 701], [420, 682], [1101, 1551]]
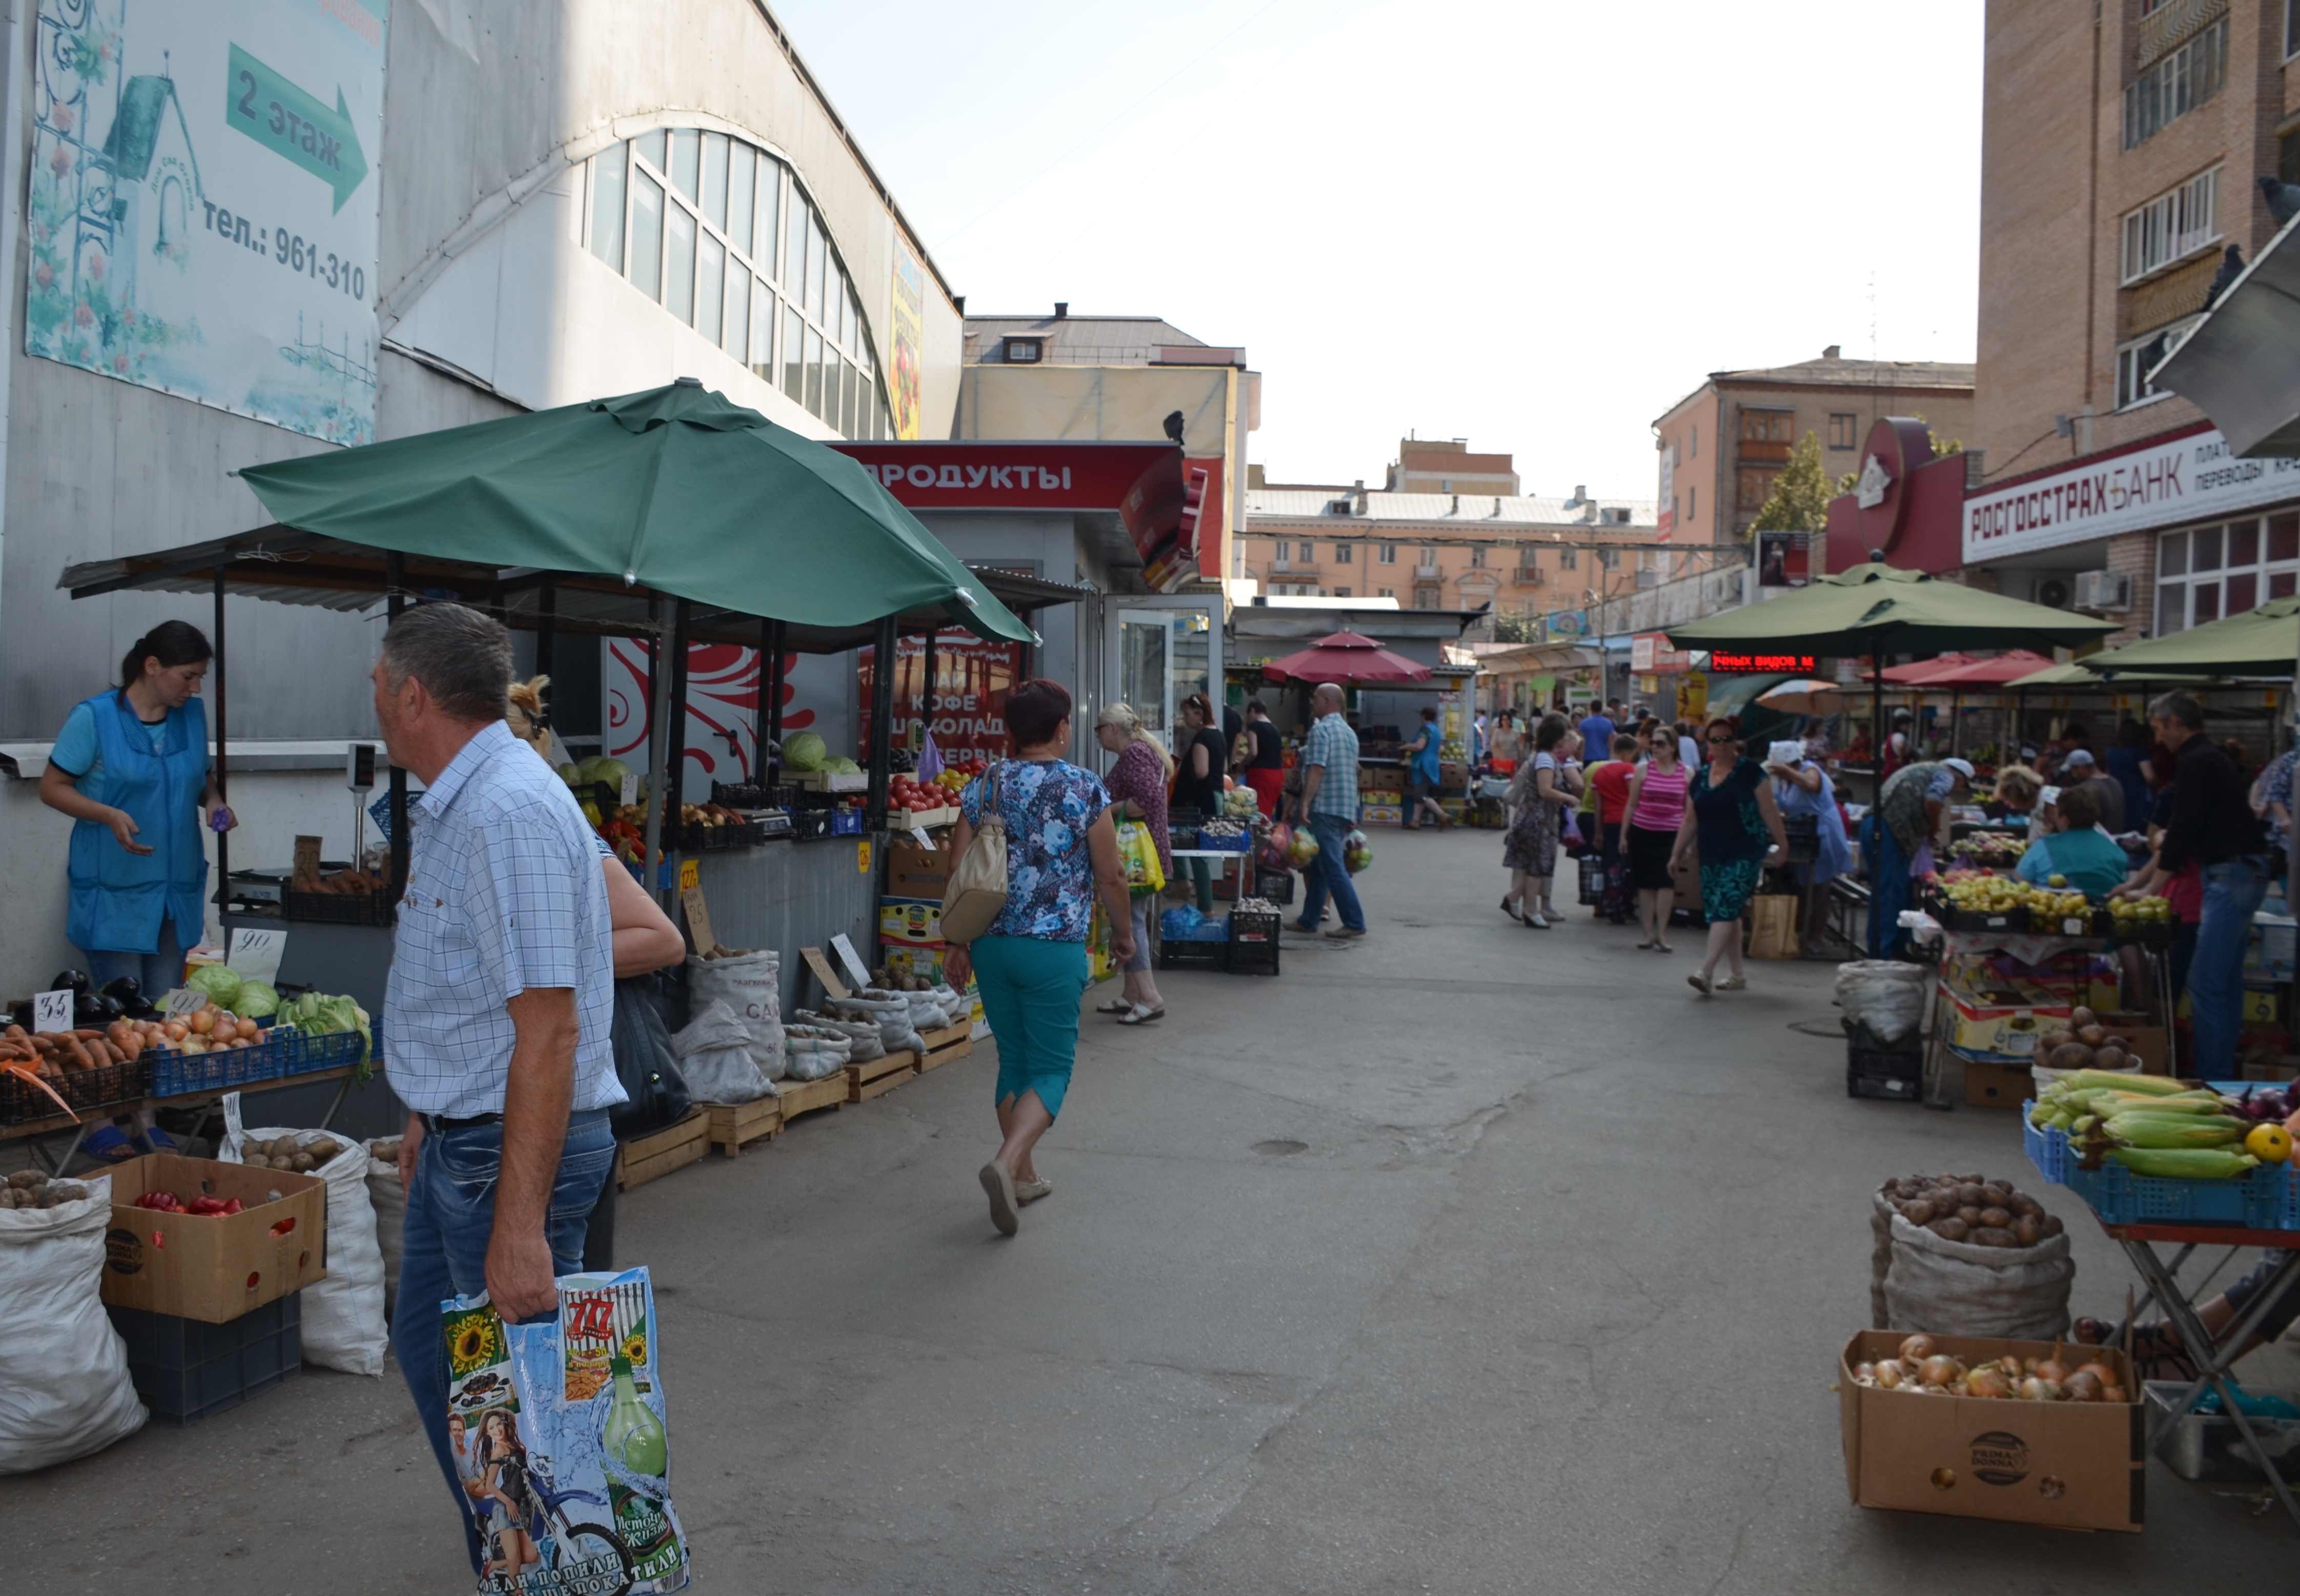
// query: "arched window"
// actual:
[[719, 233], [170, 228]]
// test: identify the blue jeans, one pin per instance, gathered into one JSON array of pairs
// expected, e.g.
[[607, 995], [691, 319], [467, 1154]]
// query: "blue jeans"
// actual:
[[1329, 873], [158, 972], [451, 1212], [2233, 890]]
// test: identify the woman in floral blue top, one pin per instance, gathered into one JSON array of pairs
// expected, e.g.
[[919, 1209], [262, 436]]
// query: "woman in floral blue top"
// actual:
[[1031, 967]]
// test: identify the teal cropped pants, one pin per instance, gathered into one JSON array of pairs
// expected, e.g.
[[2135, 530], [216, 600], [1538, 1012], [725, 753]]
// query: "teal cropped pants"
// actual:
[[1030, 990]]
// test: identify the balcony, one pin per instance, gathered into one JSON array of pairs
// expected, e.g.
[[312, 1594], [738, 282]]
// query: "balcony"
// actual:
[[1428, 573], [1756, 451], [1529, 576]]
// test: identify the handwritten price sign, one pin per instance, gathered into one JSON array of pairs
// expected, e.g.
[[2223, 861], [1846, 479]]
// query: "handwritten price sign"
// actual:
[[51, 1011]]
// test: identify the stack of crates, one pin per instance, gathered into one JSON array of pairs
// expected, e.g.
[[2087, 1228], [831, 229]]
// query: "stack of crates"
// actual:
[[1253, 938]]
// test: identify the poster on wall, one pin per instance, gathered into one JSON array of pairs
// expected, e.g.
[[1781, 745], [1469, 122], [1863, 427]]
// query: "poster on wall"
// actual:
[[1784, 559], [972, 680], [203, 207], [906, 325]]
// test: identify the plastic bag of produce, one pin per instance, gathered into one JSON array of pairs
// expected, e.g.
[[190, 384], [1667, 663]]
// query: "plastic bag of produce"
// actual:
[[654, 1093], [1885, 995], [715, 1055], [389, 1197], [343, 1324], [750, 985], [815, 1051], [863, 1034], [64, 1390], [566, 1439], [1957, 1288]]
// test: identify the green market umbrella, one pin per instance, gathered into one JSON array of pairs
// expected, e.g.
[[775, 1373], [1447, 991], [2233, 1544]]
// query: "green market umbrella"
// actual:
[[676, 490], [2259, 642], [1877, 610], [2072, 674]]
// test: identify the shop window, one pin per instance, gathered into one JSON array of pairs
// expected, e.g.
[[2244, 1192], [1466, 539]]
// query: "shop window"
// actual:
[[2206, 572], [1843, 430]]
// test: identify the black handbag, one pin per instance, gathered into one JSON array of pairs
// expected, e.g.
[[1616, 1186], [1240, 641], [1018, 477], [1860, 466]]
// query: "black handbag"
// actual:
[[655, 1092]]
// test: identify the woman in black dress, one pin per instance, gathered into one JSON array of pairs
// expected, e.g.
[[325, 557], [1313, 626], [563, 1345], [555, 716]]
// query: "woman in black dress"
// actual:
[[1202, 756]]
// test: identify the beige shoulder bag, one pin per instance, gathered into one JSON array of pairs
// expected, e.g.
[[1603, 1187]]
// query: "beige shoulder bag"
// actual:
[[977, 892]]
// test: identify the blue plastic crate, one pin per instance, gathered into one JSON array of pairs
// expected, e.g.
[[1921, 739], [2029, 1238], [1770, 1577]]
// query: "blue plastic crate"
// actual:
[[2047, 1149], [846, 823], [340, 1050], [2261, 1200], [185, 1370], [1238, 844], [176, 1074]]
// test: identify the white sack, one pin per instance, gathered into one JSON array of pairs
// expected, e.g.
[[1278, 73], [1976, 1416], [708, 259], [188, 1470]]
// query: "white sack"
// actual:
[[343, 1326], [64, 1390]]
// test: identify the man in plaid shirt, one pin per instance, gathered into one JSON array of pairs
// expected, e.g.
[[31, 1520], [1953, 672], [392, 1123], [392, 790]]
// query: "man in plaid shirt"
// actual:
[[1330, 807], [500, 1006]]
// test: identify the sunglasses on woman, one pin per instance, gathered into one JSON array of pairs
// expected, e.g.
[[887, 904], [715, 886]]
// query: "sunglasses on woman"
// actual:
[[1716, 738]]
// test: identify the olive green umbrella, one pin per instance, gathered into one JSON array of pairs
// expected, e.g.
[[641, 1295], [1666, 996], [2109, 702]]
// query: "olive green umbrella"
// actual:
[[2259, 642], [677, 490], [1877, 610]]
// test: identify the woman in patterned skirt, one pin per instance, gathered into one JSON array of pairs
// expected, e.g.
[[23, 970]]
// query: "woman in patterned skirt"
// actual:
[[1732, 818], [1544, 789]]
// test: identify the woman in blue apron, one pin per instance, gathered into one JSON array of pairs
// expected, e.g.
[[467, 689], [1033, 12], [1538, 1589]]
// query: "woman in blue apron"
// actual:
[[132, 767]]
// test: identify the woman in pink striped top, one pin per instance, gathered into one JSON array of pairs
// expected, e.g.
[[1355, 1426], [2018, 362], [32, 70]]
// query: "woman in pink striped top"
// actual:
[[1657, 807]]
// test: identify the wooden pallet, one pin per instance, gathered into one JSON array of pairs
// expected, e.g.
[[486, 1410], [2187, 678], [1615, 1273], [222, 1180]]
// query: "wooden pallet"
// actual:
[[735, 1125], [656, 1155], [805, 1097], [892, 1067], [951, 1042]]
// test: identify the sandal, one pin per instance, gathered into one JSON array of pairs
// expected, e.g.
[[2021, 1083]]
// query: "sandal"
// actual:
[[1115, 1005], [1733, 983], [1698, 982], [1141, 1015], [2157, 1352]]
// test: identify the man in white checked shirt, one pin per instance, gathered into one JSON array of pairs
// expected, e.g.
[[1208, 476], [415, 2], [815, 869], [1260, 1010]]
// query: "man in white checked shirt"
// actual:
[[499, 1009]]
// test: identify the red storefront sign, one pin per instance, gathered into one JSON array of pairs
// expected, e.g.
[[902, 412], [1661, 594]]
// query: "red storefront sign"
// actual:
[[1723, 663]]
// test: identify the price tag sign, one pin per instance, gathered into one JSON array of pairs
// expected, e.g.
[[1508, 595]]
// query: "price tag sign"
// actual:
[[690, 875], [698, 918], [856, 970], [628, 793], [183, 1002], [51, 1011], [862, 857], [254, 955]]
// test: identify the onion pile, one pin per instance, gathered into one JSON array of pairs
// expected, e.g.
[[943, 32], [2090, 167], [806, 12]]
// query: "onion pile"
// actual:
[[1921, 1369], [1966, 1208]]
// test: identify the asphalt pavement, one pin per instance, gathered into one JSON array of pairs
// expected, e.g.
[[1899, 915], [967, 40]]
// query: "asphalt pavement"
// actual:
[[1464, 1257]]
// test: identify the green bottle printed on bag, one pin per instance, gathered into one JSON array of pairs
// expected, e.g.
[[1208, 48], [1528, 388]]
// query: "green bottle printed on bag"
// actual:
[[634, 1437]]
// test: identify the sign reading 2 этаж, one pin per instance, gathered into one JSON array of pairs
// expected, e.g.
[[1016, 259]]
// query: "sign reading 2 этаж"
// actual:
[[204, 201]]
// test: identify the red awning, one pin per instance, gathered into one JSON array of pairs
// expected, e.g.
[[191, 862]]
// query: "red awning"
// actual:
[[1344, 656], [1992, 673], [1924, 673]]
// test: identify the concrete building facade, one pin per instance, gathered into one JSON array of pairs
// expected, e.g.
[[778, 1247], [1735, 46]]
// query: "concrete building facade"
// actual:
[[1721, 446], [572, 200], [2122, 147]]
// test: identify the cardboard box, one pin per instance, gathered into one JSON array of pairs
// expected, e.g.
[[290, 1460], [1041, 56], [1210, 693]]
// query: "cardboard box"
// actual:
[[916, 872], [2068, 1465], [2003, 1034], [2283, 1069], [914, 922], [1997, 1085], [922, 959], [2260, 1007], [211, 1269]]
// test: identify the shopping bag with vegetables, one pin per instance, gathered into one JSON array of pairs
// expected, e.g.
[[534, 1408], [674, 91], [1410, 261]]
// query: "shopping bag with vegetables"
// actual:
[[562, 1433]]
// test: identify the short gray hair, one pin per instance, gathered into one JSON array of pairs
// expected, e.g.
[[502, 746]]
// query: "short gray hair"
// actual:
[[2177, 706], [461, 657]]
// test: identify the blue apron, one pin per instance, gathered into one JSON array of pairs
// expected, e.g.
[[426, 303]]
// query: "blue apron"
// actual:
[[1425, 764], [120, 900]]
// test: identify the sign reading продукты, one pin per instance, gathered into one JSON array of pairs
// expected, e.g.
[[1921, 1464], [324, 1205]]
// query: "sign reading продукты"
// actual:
[[203, 203]]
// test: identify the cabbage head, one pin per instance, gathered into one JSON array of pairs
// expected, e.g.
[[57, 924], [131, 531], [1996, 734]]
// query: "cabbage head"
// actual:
[[221, 982]]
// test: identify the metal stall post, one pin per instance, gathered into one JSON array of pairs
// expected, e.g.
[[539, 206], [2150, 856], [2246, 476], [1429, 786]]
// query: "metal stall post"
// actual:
[[1878, 739], [394, 584], [658, 882], [222, 759], [882, 717], [546, 605], [770, 728], [674, 775], [927, 688]]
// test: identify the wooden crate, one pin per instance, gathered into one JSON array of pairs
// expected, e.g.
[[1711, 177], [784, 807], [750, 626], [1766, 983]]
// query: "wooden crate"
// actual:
[[943, 1046], [892, 1067], [805, 1097], [734, 1124], [656, 1155]]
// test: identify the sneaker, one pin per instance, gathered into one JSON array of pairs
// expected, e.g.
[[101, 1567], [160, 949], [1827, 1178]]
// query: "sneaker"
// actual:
[[1030, 1192], [998, 1185], [1346, 933]]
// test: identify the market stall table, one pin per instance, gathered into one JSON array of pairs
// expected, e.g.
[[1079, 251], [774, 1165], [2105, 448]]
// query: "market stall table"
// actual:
[[2212, 1360], [36, 1131]]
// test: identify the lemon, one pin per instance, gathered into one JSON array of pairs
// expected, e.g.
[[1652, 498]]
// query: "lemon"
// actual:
[[2270, 1144]]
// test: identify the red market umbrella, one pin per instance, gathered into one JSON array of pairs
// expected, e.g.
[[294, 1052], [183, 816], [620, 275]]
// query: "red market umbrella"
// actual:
[[1343, 657], [1926, 671], [2000, 671]]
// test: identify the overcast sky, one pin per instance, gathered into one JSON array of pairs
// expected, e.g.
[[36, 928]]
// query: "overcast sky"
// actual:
[[1535, 224]]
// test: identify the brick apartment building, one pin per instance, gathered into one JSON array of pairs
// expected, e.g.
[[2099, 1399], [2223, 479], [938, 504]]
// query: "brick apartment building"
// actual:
[[1723, 444], [2122, 143], [1439, 535]]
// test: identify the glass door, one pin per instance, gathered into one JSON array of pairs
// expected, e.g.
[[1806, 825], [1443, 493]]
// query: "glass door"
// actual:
[[1159, 651]]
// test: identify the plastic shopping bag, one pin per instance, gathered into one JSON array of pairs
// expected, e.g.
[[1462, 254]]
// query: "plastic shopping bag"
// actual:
[[562, 1433], [1139, 852]]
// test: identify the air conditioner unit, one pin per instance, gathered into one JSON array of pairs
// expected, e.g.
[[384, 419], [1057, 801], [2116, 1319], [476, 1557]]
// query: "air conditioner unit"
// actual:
[[2103, 590], [2052, 592]]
